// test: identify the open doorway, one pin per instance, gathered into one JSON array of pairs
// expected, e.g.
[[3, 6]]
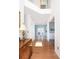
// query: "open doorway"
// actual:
[[40, 32]]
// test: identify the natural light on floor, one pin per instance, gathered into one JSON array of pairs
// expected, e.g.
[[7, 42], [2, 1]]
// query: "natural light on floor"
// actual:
[[38, 44]]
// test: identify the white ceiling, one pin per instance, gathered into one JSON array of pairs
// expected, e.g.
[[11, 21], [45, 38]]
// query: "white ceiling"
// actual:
[[37, 18]]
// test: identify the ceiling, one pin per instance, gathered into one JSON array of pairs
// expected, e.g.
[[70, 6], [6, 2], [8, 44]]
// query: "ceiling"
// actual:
[[37, 18]]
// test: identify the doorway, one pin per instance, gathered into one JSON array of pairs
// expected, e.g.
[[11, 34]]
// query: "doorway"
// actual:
[[40, 32]]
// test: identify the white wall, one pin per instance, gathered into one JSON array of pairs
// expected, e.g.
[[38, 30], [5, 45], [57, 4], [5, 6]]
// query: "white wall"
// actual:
[[21, 17], [57, 27], [48, 32], [22, 11], [55, 13], [30, 34]]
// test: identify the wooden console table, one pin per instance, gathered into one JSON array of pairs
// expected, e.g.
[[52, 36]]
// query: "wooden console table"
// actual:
[[25, 49]]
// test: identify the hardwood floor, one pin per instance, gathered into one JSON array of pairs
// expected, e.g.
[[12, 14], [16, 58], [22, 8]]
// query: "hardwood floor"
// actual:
[[45, 52]]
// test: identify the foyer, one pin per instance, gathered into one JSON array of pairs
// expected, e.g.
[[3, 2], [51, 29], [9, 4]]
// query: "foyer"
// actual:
[[39, 29]]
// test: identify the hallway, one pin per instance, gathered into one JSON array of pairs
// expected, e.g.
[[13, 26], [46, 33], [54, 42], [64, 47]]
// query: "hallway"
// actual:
[[39, 20], [44, 52]]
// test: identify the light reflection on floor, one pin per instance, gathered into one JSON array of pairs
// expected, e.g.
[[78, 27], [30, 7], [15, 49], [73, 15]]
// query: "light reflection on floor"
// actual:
[[38, 44]]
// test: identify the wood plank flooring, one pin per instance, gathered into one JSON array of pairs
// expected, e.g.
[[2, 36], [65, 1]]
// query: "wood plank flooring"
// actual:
[[45, 52]]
